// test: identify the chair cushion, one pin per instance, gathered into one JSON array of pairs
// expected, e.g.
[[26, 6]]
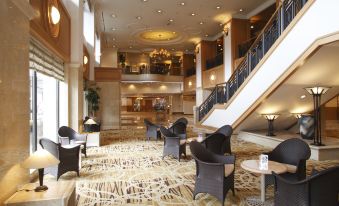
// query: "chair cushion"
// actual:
[[291, 168], [79, 142], [182, 141], [229, 168]]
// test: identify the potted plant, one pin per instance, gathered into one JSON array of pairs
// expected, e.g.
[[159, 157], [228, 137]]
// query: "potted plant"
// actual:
[[93, 99]]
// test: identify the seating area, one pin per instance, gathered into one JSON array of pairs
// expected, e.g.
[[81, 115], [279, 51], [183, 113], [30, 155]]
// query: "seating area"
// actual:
[[169, 102]]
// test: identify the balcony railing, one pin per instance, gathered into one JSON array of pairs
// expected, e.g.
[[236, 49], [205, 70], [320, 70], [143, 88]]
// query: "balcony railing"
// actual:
[[216, 61], [282, 17], [153, 69]]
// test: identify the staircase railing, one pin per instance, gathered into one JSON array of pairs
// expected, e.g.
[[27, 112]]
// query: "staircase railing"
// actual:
[[281, 18]]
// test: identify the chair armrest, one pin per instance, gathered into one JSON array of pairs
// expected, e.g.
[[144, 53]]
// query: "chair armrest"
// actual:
[[288, 182], [172, 141], [65, 153], [81, 137]]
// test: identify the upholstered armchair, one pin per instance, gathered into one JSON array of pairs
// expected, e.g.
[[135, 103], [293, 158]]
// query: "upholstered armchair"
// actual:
[[68, 136], [69, 157], [219, 142], [293, 152], [214, 173], [173, 145], [152, 130], [317, 190]]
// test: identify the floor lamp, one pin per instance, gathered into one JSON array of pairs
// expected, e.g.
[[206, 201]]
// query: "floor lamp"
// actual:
[[298, 117], [316, 92], [270, 119]]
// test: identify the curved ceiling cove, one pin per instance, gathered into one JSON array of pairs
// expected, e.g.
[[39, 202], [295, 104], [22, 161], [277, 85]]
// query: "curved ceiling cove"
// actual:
[[160, 35]]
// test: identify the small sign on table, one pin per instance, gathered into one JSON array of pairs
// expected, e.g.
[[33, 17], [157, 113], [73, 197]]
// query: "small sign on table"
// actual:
[[263, 162]]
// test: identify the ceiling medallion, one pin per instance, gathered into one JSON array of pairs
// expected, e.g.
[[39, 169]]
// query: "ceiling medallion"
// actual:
[[161, 53], [159, 35], [53, 17]]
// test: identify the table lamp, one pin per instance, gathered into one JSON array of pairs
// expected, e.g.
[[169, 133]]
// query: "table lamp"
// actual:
[[40, 159], [90, 122]]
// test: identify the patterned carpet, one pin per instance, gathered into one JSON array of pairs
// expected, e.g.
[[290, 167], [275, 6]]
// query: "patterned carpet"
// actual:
[[128, 170]]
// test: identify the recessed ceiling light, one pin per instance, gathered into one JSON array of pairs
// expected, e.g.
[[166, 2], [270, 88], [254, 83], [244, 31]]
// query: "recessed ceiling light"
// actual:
[[252, 27], [113, 29], [144, 0], [206, 35], [193, 14], [171, 20], [201, 23], [113, 15], [182, 3], [130, 47], [302, 96], [241, 10], [138, 17], [159, 11], [218, 7]]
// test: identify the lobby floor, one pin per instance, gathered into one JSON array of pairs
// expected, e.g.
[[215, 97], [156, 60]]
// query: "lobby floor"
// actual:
[[128, 170]]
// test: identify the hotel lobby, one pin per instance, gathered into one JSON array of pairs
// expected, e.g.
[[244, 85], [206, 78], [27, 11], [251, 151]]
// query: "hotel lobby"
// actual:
[[169, 102]]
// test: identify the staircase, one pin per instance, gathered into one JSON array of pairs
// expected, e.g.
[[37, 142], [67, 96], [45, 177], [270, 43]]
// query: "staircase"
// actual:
[[268, 59]]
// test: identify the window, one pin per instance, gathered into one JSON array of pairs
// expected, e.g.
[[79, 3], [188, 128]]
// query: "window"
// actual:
[[45, 108]]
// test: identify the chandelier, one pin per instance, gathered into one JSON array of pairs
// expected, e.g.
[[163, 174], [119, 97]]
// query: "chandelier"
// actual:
[[160, 53]]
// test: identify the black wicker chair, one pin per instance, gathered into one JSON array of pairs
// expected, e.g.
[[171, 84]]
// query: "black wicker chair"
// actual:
[[293, 152], [69, 157], [214, 173], [317, 190], [173, 145], [179, 128], [219, 142], [152, 130], [67, 136]]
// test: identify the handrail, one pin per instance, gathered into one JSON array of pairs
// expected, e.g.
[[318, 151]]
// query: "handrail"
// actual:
[[278, 22]]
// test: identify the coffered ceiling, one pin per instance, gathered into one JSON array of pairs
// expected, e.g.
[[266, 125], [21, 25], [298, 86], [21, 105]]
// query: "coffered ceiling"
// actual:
[[143, 25]]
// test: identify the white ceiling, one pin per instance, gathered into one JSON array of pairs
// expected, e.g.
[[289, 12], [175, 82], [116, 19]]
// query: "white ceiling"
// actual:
[[322, 69], [188, 27]]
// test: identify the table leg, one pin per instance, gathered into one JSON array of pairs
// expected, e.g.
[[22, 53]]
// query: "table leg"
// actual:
[[262, 185]]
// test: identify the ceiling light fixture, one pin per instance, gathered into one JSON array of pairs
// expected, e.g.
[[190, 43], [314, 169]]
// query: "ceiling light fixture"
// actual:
[[241, 10], [159, 11], [206, 35], [161, 53], [182, 3], [144, 0], [170, 20], [114, 16], [193, 14], [218, 7], [138, 17], [201, 23], [302, 96], [252, 27]]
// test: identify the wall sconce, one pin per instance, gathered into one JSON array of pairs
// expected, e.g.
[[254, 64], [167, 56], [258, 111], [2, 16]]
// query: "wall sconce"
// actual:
[[298, 117], [316, 92], [85, 60], [55, 15], [226, 30], [212, 77], [270, 119], [189, 83]]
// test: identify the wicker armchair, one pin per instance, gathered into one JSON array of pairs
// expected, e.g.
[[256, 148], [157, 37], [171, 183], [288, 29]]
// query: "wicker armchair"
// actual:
[[214, 173], [69, 157], [219, 142], [67, 136], [179, 128], [182, 119], [173, 145], [317, 190], [152, 130], [293, 152]]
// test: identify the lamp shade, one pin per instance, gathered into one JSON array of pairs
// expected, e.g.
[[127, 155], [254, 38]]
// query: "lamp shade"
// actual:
[[90, 121], [40, 159], [317, 90], [297, 115], [270, 116]]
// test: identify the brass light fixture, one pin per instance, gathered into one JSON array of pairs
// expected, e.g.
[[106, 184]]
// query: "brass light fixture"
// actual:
[[85, 59]]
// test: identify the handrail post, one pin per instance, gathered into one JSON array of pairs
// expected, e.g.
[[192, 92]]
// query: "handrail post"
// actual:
[[216, 94]]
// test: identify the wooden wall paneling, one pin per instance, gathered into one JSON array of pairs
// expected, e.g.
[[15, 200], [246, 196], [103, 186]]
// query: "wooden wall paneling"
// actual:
[[188, 61], [240, 33], [105, 74], [208, 51], [39, 28]]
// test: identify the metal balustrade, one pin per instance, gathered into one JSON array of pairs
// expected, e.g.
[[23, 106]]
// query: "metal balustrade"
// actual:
[[279, 21]]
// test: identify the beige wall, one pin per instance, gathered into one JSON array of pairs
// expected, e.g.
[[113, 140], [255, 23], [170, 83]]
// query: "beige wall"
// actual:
[[217, 72], [177, 106], [109, 111], [14, 92], [128, 89], [109, 58], [188, 104], [190, 84]]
